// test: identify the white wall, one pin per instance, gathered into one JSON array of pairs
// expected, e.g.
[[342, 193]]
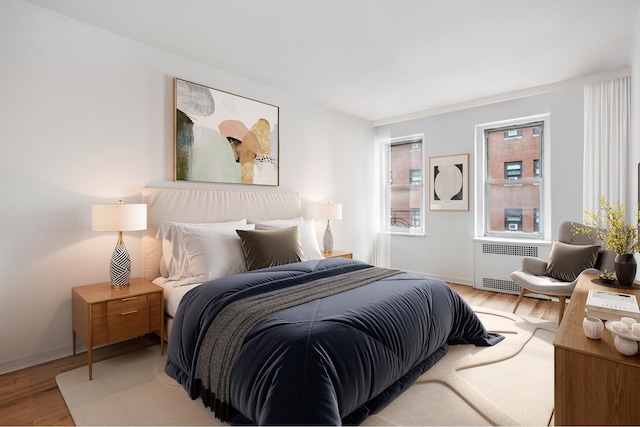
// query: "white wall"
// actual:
[[446, 251], [87, 118]]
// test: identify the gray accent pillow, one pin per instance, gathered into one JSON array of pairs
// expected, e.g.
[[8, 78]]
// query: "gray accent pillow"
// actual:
[[567, 261], [269, 248]]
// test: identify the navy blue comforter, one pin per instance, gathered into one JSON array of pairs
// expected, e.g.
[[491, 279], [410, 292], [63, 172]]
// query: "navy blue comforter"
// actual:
[[333, 360]]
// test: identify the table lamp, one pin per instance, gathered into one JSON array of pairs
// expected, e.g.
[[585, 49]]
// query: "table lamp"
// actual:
[[120, 217], [328, 211]]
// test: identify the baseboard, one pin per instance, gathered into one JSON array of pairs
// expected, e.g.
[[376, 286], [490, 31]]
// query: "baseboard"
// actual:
[[36, 359], [448, 279]]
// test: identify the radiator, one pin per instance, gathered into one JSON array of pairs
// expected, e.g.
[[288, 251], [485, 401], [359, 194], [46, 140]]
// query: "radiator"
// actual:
[[495, 261]]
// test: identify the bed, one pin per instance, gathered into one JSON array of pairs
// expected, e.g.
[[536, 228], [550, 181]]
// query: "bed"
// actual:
[[315, 341]]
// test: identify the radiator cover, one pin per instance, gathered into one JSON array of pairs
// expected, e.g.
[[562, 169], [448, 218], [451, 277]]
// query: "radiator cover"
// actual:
[[495, 261]]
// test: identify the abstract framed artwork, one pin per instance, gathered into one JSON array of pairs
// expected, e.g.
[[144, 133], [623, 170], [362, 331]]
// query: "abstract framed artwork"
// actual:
[[224, 138], [449, 183]]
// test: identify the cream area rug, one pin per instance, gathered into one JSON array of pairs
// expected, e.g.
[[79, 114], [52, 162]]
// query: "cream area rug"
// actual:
[[507, 384]]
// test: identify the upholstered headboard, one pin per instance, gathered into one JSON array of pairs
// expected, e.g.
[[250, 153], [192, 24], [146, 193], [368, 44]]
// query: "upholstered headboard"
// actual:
[[207, 205]]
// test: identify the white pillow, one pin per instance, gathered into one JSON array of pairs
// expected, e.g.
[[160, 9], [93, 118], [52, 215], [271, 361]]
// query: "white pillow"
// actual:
[[212, 252], [169, 234], [307, 229]]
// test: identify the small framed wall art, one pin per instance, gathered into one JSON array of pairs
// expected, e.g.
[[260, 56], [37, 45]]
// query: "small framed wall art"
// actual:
[[226, 138], [449, 183]]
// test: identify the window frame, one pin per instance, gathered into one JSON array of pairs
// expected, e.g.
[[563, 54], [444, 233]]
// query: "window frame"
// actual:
[[482, 183], [402, 231]]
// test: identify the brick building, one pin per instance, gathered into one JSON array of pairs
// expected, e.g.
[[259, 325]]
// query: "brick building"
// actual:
[[514, 168], [405, 179]]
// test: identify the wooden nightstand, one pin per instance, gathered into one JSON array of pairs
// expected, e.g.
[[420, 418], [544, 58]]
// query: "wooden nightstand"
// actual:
[[337, 254], [103, 314]]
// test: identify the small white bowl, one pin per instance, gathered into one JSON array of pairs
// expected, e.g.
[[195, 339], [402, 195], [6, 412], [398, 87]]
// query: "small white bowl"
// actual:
[[620, 327]]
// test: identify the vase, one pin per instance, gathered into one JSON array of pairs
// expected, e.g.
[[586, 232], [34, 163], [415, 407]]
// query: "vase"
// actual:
[[625, 266]]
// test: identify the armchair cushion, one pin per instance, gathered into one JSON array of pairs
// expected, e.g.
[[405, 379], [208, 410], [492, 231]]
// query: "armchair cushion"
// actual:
[[567, 261], [544, 285]]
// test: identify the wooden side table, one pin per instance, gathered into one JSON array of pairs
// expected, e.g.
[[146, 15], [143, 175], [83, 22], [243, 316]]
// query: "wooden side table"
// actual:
[[337, 254], [103, 314]]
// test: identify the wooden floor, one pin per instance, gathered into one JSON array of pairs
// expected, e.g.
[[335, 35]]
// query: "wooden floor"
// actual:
[[31, 397]]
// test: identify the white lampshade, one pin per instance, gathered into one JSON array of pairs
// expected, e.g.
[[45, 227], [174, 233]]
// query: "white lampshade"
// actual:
[[119, 217], [329, 211]]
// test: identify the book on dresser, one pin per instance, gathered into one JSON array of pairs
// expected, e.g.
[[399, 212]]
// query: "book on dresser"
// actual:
[[611, 305]]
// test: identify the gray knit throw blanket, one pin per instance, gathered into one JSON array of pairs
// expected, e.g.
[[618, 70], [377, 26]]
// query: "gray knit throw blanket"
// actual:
[[226, 334]]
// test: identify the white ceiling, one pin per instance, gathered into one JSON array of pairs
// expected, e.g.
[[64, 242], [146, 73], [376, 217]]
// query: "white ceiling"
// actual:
[[379, 59]]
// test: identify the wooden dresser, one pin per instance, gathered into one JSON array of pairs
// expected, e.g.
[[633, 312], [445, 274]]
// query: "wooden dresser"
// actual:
[[594, 383]]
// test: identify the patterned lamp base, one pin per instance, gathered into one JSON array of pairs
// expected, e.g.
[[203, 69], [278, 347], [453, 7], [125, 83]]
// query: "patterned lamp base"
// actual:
[[120, 267], [327, 240]]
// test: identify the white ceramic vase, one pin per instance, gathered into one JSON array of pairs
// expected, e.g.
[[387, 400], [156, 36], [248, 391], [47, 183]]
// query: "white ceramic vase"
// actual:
[[593, 327]]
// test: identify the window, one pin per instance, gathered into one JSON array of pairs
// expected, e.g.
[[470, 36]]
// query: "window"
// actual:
[[415, 176], [513, 219], [405, 190], [512, 134], [511, 180], [416, 218], [513, 170]]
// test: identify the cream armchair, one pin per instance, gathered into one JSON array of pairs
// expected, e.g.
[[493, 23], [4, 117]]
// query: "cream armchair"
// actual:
[[572, 255]]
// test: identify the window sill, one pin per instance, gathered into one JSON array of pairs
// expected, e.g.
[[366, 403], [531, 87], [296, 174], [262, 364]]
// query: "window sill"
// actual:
[[524, 240], [399, 233]]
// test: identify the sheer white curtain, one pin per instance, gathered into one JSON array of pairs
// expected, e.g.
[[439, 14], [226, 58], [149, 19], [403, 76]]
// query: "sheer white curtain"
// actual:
[[607, 131], [381, 246]]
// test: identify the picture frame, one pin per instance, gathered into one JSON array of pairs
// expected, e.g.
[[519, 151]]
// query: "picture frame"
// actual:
[[449, 183], [224, 138]]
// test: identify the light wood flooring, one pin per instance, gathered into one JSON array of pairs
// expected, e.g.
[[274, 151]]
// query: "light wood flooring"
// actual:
[[30, 396]]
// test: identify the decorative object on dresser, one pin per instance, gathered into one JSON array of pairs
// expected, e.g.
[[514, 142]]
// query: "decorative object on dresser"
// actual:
[[572, 255], [328, 211], [119, 217], [593, 327], [610, 226], [103, 314], [221, 137], [611, 305], [626, 334]]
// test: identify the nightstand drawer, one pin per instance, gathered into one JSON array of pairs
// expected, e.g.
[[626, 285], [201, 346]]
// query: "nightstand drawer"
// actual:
[[126, 305], [128, 317]]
